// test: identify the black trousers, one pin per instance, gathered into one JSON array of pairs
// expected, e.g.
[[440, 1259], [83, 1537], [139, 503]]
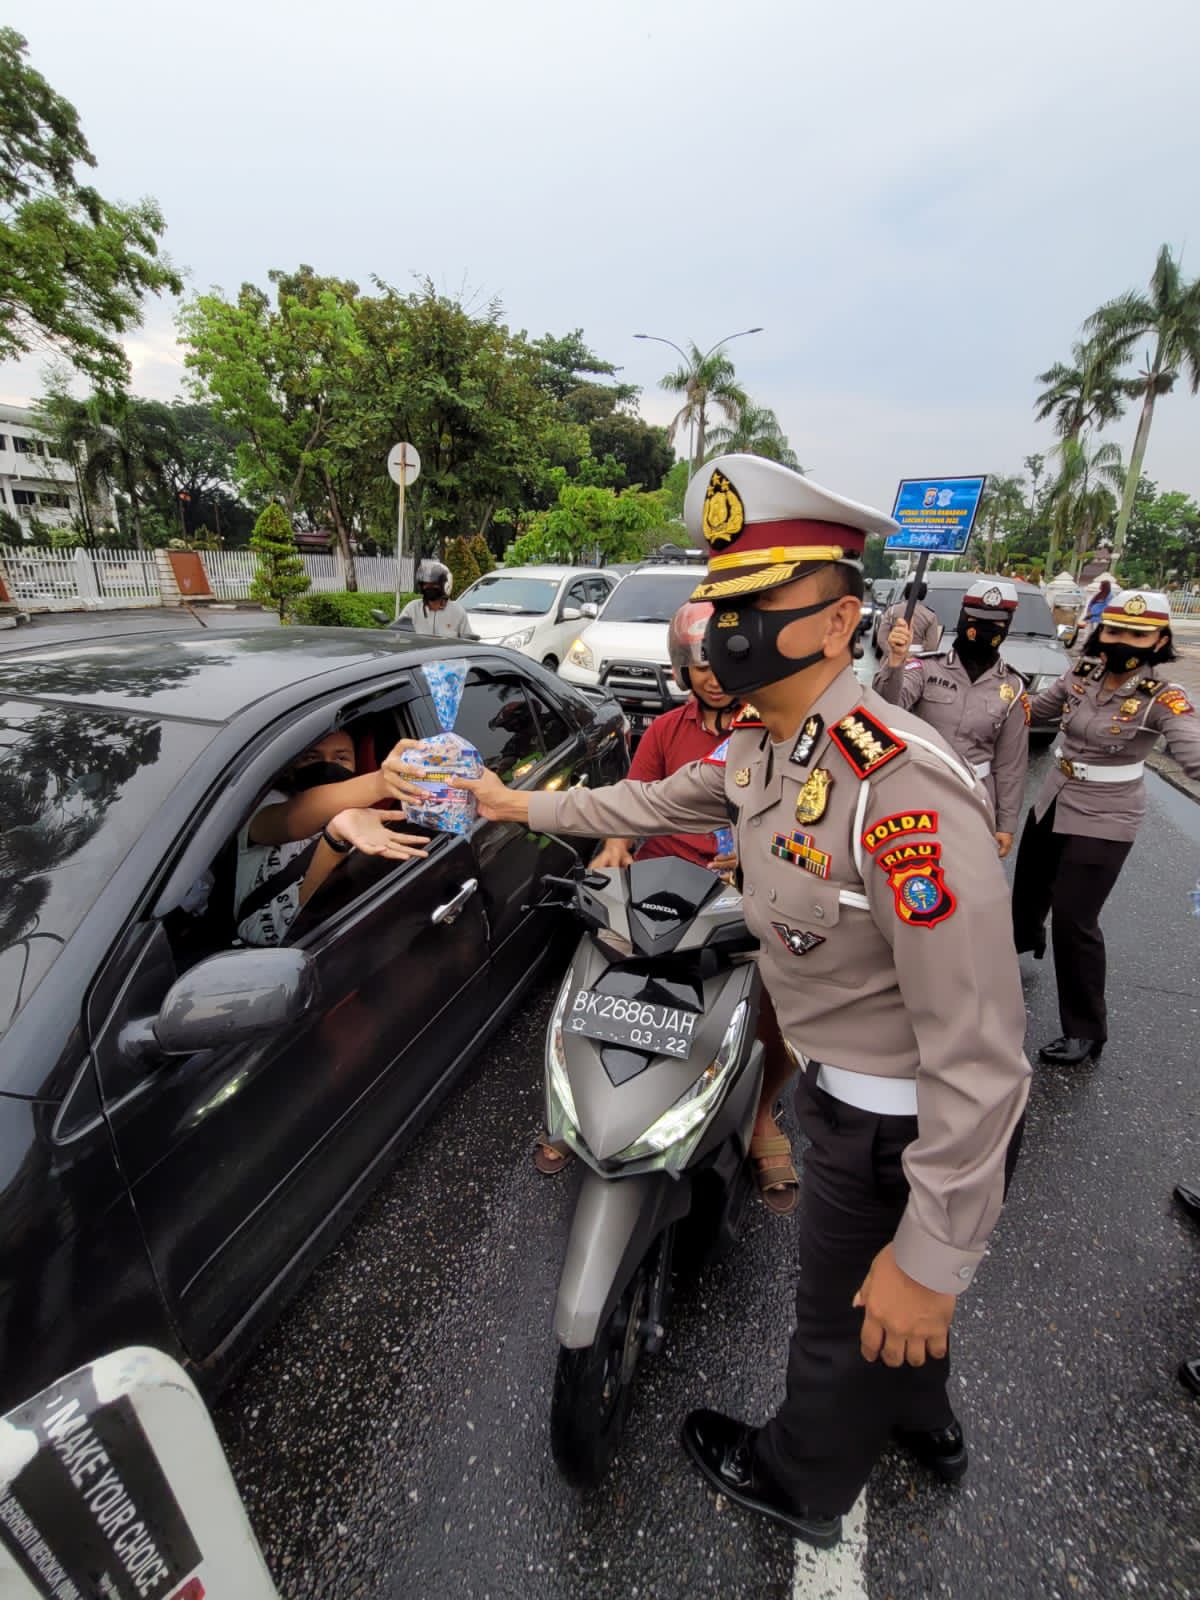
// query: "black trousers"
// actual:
[[839, 1408], [1070, 877]]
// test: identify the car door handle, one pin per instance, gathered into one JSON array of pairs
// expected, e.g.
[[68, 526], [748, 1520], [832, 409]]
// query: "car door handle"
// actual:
[[449, 912]]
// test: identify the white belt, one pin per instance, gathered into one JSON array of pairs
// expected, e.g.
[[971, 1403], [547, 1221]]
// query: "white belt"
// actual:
[[886, 1097], [1088, 772], [981, 769]]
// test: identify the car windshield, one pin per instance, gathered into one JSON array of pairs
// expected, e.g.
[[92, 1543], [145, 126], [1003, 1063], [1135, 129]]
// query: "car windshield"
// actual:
[[651, 596], [77, 788], [1032, 618], [511, 596]]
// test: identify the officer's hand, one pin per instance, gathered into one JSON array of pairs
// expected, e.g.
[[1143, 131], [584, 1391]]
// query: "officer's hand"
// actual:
[[903, 1320], [613, 853], [496, 802], [1003, 844], [898, 642]]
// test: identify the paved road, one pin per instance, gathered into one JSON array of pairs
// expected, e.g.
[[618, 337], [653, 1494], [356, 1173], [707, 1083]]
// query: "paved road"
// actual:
[[390, 1438]]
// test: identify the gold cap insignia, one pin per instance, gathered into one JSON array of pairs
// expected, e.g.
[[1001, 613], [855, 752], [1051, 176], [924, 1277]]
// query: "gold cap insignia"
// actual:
[[724, 514], [1134, 606]]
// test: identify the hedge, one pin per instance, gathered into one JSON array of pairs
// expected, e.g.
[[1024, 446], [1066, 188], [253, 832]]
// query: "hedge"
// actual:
[[343, 610]]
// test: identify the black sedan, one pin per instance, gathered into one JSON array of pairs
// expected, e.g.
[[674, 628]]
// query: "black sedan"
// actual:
[[185, 1123]]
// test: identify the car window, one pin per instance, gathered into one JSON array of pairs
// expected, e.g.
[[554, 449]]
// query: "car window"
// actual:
[[77, 789], [507, 594], [497, 718], [553, 727], [651, 596], [577, 594], [599, 590]]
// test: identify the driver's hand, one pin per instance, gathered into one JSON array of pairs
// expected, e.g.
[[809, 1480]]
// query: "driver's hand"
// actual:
[[898, 642], [367, 831], [613, 853]]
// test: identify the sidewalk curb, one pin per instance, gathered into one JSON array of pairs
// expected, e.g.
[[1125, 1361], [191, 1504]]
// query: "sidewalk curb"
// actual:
[[1171, 772]]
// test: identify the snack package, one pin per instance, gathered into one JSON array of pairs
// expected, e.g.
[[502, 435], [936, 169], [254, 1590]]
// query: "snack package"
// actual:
[[445, 755]]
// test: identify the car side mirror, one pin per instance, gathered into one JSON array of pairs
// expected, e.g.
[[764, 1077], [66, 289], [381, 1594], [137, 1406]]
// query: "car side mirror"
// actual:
[[589, 609], [570, 614], [231, 999]]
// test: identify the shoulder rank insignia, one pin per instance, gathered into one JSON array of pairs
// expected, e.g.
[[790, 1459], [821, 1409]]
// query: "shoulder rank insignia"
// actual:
[[716, 756], [813, 796], [806, 740], [1086, 668], [747, 717], [866, 744], [1175, 700], [1151, 686]]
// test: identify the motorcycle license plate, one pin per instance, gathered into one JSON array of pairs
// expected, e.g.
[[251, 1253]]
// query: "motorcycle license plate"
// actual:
[[666, 1030]]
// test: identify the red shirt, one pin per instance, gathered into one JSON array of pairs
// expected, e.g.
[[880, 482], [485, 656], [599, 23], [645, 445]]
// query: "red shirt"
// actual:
[[674, 740]]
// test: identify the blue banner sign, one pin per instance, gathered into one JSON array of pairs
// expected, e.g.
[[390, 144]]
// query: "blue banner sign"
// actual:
[[935, 514]]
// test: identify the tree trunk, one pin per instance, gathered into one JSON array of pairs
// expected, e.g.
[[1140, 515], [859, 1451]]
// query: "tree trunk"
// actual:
[[343, 533], [701, 427], [1132, 477], [135, 512]]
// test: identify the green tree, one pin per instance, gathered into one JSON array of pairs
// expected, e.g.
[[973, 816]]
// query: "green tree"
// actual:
[[74, 267], [1087, 392], [1003, 502], [1164, 538], [588, 521], [1169, 317], [118, 446], [1081, 500], [706, 382], [755, 430], [464, 568], [482, 555], [281, 575]]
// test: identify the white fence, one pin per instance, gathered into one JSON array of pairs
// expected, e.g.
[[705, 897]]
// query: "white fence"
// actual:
[[231, 572], [74, 580], [1185, 603]]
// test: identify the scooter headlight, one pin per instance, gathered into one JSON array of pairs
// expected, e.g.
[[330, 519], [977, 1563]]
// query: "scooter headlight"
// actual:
[[561, 1119], [675, 1133]]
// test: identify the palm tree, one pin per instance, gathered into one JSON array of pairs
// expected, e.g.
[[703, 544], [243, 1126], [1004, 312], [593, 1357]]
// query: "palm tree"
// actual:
[[1082, 499], [1086, 394], [704, 380], [1034, 465], [1004, 497], [1169, 316], [755, 431]]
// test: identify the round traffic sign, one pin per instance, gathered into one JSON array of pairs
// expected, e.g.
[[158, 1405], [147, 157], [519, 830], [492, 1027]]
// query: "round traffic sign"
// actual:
[[412, 463]]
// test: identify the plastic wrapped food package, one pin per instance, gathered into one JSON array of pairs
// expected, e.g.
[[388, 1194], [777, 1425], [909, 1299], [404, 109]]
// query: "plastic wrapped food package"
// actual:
[[443, 756]]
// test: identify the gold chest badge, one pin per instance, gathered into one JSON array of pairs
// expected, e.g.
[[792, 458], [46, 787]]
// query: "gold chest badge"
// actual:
[[742, 777], [814, 796], [1007, 693], [1129, 707]]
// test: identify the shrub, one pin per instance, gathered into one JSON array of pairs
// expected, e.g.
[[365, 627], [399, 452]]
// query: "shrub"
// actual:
[[344, 610], [462, 564], [281, 575], [483, 556]]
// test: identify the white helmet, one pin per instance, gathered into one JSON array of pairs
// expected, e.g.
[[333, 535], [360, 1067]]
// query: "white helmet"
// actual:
[[685, 640], [435, 574]]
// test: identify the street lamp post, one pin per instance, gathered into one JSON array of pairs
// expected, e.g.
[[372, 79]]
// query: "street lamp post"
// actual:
[[696, 420]]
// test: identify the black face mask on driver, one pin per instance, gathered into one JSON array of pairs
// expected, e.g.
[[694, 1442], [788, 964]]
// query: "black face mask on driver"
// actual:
[[1122, 659], [742, 645], [312, 775]]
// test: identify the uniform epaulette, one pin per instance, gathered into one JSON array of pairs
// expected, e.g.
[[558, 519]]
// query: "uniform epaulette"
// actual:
[[1087, 668], [747, 717], [1152, 686], [864, 741]]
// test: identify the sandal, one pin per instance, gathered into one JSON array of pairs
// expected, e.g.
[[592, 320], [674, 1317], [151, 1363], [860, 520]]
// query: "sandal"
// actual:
[[778, 1180], [549, 1159]]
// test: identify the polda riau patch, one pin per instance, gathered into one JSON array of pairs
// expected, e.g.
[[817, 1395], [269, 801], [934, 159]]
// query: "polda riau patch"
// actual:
[[864, 741], [898, 824], [1175, 700]]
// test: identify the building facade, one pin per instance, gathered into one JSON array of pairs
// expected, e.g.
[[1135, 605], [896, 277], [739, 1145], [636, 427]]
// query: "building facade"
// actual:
[[36, 484]]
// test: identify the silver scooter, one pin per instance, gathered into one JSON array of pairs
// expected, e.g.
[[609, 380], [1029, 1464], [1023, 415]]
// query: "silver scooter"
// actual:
[[653, 1075]]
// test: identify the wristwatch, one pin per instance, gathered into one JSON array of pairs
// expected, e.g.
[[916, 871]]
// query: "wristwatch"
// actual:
[[343, 847]]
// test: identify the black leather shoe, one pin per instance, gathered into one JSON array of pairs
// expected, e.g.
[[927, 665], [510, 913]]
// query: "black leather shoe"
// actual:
[[1189, 1374], [1071, 1052], [942, 1450], [723, 1449], [1189, 1199]]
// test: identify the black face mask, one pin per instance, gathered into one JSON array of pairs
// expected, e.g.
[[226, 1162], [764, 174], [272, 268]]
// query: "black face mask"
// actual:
[[977, 639], [1123, 659], [313, 774], [432, 596], [745, 654]]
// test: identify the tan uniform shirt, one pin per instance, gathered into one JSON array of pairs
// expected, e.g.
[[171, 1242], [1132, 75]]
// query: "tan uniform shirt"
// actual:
[[1110, 728], [872, 883], [926, 629], [985, 721]]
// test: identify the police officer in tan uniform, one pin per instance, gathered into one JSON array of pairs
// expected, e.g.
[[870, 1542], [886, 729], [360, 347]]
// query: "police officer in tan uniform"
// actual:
[[1114, 707], [871, 880], [926, 629], [970, 694]]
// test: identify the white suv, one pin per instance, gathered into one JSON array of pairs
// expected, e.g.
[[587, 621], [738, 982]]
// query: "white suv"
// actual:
[[625, 649], [536, 610]]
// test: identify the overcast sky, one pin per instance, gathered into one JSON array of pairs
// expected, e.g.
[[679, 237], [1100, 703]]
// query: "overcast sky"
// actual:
[[919, 203]]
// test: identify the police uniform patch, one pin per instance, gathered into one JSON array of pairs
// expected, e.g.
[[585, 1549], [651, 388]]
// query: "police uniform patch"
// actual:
[[893, 827], [716, 756], [798, 941], [813, 796], [724, 515], [1175, 700], [866, 744], [799, 849], [806, 742], [742, 777], [922, 896], [1007, 693], [1027, 708], [902, 855]]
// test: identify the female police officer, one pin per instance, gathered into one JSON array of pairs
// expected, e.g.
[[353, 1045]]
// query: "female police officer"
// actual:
[[974, 699], [871, 882], [1082, 825]]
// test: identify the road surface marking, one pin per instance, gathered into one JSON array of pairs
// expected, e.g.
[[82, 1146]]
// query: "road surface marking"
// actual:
[[840, 1573]]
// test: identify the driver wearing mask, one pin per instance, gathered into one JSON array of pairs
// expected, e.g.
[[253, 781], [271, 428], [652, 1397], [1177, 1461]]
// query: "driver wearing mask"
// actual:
[[433, 612], [317, 813], [974, 699]]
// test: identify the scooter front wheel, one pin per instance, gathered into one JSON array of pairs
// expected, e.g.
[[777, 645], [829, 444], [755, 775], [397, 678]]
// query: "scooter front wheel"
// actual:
[[593, 1388]]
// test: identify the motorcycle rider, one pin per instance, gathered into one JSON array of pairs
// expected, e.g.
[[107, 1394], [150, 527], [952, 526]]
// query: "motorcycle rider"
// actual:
[[433, 611], [872, 882], [974, 699]]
